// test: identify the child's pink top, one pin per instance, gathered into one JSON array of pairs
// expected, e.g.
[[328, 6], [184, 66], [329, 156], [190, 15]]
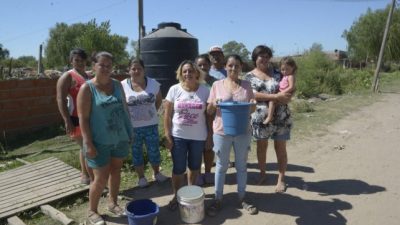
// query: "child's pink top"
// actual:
[[284, 83]]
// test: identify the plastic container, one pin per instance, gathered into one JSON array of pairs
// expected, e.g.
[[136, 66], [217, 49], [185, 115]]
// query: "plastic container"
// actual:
[[142, 212], [191, 203], [235, 117]]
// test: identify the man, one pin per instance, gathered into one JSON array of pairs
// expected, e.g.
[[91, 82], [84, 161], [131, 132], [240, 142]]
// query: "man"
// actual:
[[218, 63]]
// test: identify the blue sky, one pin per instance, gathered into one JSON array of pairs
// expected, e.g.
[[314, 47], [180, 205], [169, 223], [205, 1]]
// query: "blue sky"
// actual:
[[288, 26]]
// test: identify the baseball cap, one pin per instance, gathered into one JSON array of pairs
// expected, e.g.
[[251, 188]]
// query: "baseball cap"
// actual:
[[215, 48]]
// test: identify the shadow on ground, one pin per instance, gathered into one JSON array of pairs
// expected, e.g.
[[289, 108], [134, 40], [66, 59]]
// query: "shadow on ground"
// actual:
[[304, 211]]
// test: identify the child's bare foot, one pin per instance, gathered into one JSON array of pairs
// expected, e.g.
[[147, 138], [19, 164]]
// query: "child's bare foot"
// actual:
[[267, 120], [280, 187]]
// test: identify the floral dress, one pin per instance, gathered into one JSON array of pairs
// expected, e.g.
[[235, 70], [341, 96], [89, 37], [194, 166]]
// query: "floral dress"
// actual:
[[282, 122]]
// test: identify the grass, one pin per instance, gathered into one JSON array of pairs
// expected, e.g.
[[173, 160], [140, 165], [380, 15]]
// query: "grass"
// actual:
[[309, 118]]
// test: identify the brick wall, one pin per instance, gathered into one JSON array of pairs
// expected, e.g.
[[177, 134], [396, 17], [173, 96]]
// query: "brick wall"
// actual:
[[27, 105]]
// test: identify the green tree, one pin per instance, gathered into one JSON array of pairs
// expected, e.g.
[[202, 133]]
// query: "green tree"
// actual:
[[233, 47], [90, 36], [28, 61], [135, 49], [364, 37], [4, 53]]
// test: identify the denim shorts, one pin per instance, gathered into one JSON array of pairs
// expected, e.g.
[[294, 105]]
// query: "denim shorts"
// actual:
[[106, 152], [284, 136], [186, 152], [149, 136]]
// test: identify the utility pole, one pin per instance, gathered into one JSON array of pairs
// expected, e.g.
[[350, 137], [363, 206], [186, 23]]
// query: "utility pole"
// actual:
[[378, 66], [141, 26], [40, 67]]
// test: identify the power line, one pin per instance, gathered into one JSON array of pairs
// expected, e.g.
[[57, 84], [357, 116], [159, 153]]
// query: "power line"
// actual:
[[68, 20]]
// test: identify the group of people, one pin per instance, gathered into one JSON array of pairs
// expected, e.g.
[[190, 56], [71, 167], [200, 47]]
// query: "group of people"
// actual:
[[107, 118]]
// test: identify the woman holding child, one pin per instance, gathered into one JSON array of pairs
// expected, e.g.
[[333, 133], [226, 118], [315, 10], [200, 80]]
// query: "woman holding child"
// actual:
[[265, 84]]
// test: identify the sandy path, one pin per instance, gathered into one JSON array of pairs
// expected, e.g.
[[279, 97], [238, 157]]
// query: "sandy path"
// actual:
[[349, 176]]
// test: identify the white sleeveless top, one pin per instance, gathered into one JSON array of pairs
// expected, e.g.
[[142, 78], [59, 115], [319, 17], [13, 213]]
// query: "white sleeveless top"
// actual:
[[142, 105]]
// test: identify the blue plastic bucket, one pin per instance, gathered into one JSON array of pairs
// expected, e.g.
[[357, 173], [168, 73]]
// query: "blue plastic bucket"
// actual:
[[235, 117], [142, 212]]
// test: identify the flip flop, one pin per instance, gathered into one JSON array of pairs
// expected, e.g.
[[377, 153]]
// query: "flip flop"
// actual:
[[173, 204], [95, 218], [281, 187], [116, 210], [214, 208]]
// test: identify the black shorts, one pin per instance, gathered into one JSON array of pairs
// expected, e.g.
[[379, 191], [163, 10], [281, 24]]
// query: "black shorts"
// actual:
[[75, 121]]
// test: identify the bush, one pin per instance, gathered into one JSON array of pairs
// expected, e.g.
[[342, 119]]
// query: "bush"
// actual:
[[319, 74]]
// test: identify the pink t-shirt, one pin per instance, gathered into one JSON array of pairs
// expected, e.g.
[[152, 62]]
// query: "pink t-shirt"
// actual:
[[243, 94]]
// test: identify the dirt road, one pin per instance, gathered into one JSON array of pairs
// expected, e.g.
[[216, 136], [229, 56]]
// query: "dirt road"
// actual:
[[351, 175]]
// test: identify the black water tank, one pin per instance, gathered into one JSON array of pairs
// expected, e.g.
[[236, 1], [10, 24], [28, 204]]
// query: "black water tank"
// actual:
[[164, 49]]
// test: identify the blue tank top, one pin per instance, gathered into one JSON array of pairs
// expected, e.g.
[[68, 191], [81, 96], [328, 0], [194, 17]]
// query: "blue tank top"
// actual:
[[109, 121]]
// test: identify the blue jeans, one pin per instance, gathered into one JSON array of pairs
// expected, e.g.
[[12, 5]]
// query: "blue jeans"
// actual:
[[222, 148], [186, 152]]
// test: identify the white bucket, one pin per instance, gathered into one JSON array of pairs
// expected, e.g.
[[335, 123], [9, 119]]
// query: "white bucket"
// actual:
[[191, 203]]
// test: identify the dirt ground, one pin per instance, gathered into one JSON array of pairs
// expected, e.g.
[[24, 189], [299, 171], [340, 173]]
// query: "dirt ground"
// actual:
[[350, 175]]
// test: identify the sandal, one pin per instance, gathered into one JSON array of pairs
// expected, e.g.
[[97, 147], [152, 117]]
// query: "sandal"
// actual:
[[251, 209], [173, 204], [85, 179], [95, 219], [214, 208], [116, 210]]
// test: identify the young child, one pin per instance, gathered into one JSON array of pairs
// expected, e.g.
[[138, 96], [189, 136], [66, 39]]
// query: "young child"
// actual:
[[286, 85]]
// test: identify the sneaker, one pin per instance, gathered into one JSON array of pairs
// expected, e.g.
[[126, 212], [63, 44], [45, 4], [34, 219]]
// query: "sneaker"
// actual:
[[143, 182], [199, 180], [209, 178], [159, 177]]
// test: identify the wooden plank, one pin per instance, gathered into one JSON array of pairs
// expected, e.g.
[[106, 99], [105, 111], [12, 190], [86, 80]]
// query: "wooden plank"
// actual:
[[32, 185], [29, 168], [27, 190], [23, 161], [55, 214], [51, 177], [38, 195], [37, 192], [15, 221], [26, 168], [51, 198], [31, 177]]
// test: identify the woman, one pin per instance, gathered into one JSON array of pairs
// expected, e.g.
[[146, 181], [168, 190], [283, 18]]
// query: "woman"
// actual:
[[68, 86], [204, 63], [265, 83], [230, 89], [185, 124], [106, 131], [144, 99]]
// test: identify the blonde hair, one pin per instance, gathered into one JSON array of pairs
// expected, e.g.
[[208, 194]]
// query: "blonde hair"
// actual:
[[197, 70]]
